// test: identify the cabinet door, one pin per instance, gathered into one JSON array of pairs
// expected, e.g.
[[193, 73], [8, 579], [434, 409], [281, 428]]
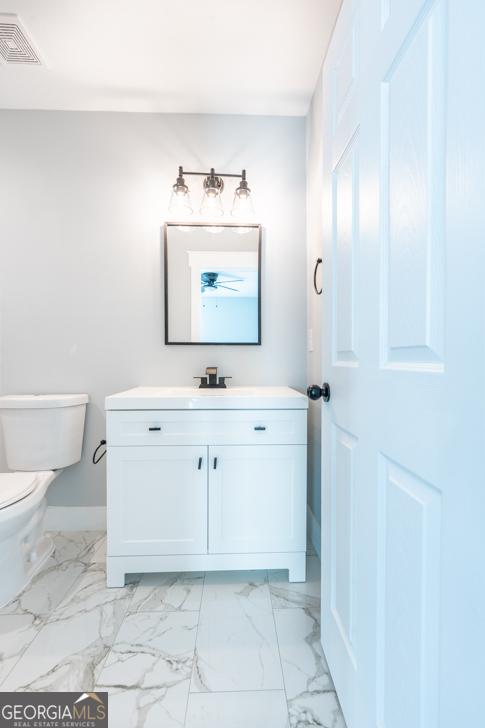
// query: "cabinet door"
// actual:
[[257, 498], [157, 500]]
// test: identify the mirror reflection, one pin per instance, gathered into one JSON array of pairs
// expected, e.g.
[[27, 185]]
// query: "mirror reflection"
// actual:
[[212, 284]]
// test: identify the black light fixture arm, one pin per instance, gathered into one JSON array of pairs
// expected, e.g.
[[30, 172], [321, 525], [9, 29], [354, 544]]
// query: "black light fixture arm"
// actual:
[[211, 172]]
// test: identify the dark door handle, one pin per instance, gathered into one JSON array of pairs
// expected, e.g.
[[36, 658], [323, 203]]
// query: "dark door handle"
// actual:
[[318, 292], [315, 392], [154, 429], [215, 463], [199, 467], [260, 428]]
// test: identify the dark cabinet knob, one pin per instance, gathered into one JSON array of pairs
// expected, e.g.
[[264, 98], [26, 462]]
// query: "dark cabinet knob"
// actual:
[[314, 392]]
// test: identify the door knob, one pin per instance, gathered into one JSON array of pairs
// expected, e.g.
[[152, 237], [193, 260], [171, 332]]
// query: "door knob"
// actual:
[[315, 392]]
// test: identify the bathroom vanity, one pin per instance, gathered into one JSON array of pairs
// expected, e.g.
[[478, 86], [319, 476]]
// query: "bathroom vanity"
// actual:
[[202, 479]]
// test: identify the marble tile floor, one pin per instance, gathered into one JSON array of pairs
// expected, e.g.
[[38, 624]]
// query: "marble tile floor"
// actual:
[[215, 650]]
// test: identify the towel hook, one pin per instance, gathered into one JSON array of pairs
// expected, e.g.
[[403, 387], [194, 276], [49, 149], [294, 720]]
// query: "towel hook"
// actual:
[[318, 292]]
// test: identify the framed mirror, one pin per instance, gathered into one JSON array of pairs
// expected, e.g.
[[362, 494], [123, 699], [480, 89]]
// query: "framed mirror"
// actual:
[[212, 284]]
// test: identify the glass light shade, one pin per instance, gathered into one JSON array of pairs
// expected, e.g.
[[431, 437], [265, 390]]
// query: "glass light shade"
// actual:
[[243, 204], [180, 201], [211, 203], [213, 229]]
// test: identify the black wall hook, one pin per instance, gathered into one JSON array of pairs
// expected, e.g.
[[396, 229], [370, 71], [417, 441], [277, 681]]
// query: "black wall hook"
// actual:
[[318, 292]]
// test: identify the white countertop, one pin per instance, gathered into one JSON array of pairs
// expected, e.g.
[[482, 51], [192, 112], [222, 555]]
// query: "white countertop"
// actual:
[[193, 398]]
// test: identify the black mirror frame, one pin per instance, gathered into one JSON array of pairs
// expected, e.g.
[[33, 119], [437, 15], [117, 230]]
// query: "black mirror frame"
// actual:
[[165, 276]]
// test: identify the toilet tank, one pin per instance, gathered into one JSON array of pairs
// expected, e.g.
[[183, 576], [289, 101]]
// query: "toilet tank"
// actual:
[[42, 431]]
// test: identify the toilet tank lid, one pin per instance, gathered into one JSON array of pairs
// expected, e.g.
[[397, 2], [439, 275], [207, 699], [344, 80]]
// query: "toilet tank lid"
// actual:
[[41, 401]]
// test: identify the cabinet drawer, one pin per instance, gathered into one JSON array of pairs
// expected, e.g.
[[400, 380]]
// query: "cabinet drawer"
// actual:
[[242, 427]]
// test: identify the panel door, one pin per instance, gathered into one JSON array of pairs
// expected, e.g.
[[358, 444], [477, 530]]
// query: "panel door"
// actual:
[[157, 500], [403, 503], [257, 498]]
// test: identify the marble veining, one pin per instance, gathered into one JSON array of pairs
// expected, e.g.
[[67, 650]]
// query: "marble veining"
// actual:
[[71, 645], [17, 631], [252, 639], [72, 554], [147, 672], [304, 666], [289, 595], [168, 593], [225, 649]]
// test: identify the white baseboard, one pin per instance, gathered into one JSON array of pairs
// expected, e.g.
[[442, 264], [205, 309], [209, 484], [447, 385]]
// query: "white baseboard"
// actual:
[[75, 518], [314, 532]]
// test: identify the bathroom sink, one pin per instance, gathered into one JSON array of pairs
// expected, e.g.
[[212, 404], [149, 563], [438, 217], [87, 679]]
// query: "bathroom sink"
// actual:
[[179, 398]]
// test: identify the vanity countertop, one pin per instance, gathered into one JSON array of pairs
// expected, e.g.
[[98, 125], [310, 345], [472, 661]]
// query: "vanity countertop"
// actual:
[[193, 398]]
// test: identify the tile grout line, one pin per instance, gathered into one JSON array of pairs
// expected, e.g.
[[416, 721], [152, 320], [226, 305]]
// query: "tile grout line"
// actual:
[[279, 654], [44, 622], [195, 650]]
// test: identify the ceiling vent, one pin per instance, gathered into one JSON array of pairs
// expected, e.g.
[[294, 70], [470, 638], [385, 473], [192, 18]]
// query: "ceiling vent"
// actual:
[[15, 47]]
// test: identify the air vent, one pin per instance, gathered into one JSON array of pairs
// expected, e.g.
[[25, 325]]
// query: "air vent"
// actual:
[[15, 47]]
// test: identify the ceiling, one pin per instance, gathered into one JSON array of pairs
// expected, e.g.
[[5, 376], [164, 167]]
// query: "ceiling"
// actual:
[[193, 56]]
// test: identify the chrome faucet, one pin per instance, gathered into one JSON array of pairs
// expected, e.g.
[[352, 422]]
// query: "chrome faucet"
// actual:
[[211, 380]]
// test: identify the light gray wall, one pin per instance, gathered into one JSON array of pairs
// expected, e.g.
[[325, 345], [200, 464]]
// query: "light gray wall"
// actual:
[[82, 199], [314, 246]]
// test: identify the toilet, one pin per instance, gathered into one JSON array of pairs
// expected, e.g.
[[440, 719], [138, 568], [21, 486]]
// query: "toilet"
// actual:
[[42, 435]]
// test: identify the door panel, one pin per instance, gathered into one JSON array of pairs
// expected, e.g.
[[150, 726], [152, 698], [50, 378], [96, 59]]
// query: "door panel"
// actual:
[[403, 314], [257, 498], [157, 500], [412, 194], [408, 598], [342, 506], [345, 256]]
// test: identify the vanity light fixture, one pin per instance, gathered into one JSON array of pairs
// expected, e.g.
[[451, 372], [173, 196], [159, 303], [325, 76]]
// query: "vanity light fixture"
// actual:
[[213, 186]]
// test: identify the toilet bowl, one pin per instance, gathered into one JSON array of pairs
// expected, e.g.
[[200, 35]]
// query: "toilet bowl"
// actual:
[[42, 435]]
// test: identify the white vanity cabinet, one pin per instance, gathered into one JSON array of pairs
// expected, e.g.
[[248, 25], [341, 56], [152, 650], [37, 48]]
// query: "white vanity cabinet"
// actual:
[[206, 482], [157, 500]]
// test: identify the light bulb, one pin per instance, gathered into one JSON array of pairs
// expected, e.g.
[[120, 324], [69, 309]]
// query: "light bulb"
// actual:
[[180, 200], [243, 204], [180, 203], [211, 203]]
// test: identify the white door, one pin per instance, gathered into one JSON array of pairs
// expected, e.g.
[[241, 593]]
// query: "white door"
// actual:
[[403, 507], [257, 498], [157, 500]]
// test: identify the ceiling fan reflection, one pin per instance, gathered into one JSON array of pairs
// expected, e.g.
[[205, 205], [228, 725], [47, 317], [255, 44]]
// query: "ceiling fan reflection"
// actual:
[[210, 281]]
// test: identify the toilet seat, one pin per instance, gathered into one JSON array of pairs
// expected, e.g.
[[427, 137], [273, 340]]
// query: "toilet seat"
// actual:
[[16, 486]]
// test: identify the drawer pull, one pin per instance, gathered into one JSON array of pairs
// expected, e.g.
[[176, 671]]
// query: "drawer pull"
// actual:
[[215, 463], [199, 467], [260, 428], [154, 429]]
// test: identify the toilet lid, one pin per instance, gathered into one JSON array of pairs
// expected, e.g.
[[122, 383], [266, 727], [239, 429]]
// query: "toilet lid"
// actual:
[[15, 486]]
